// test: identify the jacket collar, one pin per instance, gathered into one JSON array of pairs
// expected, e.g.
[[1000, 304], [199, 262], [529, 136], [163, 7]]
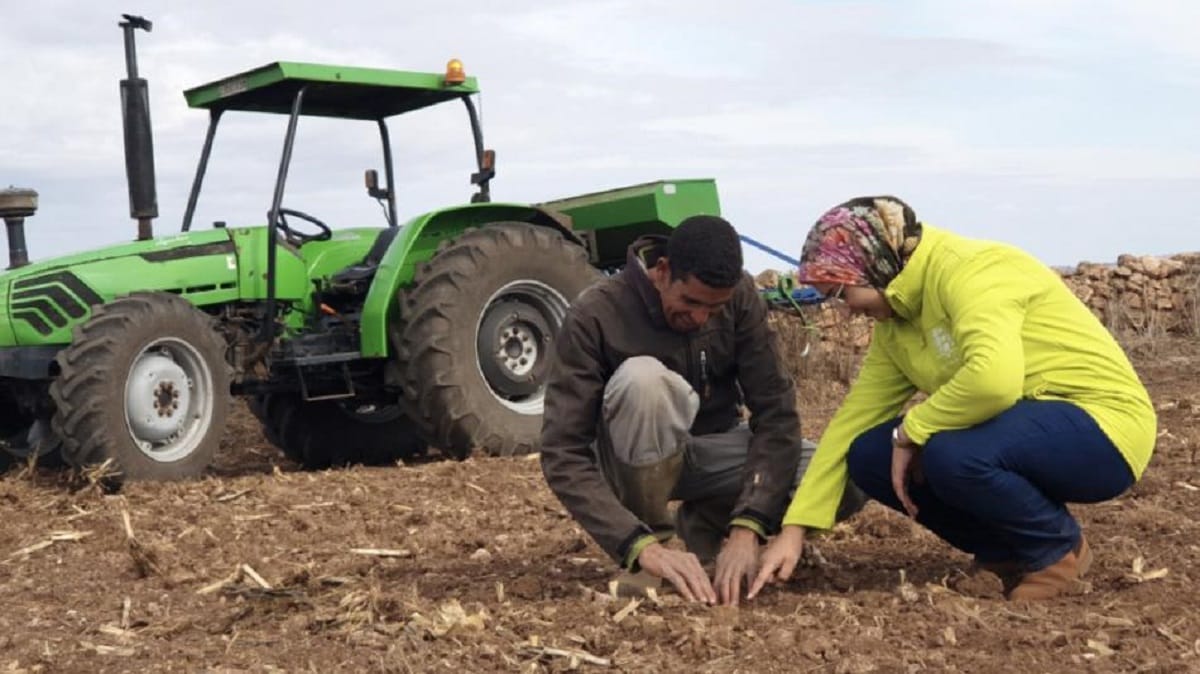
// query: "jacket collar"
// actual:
[[906, 291], [641, 255]]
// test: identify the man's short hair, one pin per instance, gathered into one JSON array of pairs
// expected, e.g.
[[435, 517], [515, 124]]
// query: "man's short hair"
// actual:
[[707, 247]]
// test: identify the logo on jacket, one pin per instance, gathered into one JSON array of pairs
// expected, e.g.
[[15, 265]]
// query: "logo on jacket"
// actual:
[[943, 342]]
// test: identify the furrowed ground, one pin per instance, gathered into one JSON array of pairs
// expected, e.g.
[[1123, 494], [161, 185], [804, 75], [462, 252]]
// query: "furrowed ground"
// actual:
[[474, 566]]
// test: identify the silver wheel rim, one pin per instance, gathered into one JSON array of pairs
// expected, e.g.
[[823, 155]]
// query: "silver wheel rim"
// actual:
[[553, 307], [168, 400]]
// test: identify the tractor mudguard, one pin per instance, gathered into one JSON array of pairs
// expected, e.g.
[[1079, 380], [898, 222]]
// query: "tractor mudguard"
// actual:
[[417, 242]]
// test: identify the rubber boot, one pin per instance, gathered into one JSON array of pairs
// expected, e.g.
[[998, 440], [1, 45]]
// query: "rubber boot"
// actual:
[[702, 525], [646, 491]]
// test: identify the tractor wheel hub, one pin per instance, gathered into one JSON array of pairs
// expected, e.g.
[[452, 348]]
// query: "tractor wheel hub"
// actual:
[[157, 397]]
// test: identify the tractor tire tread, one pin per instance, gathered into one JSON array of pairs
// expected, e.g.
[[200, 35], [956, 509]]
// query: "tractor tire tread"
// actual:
[[435, 392]]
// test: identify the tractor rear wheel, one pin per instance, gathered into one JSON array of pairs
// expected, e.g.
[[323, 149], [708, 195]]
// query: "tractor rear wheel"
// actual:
[[324, 433], [478, 326], [25, 433], [145, 384], [22, 439], [258, 407]]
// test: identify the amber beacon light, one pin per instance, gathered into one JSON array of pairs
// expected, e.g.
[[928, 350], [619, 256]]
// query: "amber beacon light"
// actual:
[[455, 74]]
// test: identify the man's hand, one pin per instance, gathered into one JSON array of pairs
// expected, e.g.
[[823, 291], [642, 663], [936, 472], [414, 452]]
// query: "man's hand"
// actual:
[[681, 569], [738, 559], [780, 558]]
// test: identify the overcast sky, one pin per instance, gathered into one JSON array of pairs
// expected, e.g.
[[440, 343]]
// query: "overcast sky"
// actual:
[[1070, 128]]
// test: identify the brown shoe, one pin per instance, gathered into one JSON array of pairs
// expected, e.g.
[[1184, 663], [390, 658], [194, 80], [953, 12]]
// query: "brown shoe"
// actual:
[[1056, 578]]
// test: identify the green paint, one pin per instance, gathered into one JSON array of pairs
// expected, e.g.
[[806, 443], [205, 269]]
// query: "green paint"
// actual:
[[199, 266], [227, 265], [616, 217], [665, 202], [416, 243], [332, 91]]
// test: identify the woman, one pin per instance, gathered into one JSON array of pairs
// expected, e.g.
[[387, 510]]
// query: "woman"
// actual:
[[1031, 403]]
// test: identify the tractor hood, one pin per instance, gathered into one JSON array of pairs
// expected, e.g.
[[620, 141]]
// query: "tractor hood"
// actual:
[[44, 300]]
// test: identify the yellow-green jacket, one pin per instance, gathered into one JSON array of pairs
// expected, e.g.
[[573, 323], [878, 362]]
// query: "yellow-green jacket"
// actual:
[[978, 326]]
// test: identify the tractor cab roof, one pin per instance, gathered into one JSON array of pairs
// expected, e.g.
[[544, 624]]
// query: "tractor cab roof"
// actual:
[[332, 91]]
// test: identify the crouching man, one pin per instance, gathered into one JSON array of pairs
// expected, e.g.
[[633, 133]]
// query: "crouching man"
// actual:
[[642, 407]]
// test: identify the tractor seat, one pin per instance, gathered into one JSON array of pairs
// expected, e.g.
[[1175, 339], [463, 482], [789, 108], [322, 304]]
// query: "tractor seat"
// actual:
[[355, 276]]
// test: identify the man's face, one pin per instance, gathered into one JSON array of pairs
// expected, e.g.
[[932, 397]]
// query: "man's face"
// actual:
[[687, 303]]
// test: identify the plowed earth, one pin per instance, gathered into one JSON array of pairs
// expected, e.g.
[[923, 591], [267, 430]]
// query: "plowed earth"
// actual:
[[473, 566]]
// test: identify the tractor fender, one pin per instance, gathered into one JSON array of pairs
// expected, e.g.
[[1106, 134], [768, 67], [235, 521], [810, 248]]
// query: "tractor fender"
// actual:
[[418, 241]]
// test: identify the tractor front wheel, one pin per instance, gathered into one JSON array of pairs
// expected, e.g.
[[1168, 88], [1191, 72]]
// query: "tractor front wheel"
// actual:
[[478, 327], [145, 384]]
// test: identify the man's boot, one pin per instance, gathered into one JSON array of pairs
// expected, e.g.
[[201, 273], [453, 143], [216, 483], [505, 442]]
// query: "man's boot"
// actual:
[[701, 525], [646, 491]]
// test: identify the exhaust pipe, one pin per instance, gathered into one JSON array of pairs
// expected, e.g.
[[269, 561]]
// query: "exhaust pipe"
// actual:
[[139, 143], [16, 204]]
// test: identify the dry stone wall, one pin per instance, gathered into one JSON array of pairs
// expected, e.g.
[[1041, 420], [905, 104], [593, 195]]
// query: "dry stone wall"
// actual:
[[1143, 294], [1139, 295]]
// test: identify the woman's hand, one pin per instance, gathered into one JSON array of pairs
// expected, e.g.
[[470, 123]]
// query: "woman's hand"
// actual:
[[780, 558], [903, 465]]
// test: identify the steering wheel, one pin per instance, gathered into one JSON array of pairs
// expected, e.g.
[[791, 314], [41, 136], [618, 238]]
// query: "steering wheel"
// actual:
[[301, 238]]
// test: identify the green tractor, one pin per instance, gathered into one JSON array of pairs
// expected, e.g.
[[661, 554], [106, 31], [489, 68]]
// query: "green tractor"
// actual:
[[364, 344]]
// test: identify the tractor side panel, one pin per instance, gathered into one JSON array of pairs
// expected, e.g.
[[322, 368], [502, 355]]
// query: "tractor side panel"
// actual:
[[46, 301], [417, 242], [296, 270], [291, 276], [345, 248], [7, 336], [323, 259]]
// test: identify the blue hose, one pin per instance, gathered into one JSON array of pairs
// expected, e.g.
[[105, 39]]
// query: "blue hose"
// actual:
[[799, 295], [767, 249]]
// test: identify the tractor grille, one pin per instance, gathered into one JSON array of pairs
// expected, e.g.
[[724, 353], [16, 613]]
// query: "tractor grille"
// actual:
[[51, 301]]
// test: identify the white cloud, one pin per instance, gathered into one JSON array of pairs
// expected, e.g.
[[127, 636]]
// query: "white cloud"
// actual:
[[791, 105], [800, 127]]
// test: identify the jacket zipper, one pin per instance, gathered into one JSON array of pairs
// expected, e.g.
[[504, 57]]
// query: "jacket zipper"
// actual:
[[698, 382], [691, 365]]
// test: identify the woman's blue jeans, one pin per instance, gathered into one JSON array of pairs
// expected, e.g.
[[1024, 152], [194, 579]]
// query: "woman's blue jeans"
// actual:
[[998, 490]]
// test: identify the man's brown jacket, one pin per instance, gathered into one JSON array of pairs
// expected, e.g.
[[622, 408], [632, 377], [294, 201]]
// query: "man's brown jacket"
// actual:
[[621, 317]]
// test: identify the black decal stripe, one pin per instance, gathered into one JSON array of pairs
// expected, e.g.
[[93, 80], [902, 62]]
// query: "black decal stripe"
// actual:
[[42, 300], [60, 297], [67, 279], [34, 319], [42, 306], [184, 252]]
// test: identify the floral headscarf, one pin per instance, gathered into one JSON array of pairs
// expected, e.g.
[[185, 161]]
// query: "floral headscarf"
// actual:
[[863, 242]]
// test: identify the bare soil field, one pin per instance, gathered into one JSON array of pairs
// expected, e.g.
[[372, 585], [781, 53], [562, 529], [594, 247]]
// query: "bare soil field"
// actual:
[[474, 566]]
